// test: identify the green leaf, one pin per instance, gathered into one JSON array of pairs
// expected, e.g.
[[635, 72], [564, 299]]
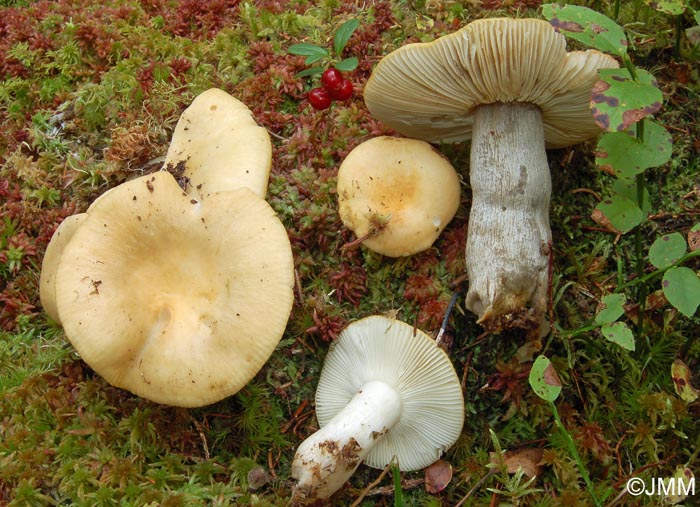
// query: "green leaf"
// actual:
[[544, 379], [667, 249], [622, 213], [312, 52], [672, 7], [311, 71], [343, 34], [681, 287], [587, 26], [612, 308], [618, 332], [623, 154], [680, 373], [347, 65], [618, 101], [628, 189]]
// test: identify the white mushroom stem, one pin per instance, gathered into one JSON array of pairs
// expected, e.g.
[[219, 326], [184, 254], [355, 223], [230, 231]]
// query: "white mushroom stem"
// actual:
[[325, 460], [509, 234]]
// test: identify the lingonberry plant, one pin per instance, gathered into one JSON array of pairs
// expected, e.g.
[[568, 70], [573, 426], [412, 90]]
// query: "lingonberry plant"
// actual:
[[334, 86]]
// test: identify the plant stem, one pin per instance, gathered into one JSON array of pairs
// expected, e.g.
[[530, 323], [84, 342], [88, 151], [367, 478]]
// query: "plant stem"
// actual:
[[639, 250], [574, 452], [616, 9]]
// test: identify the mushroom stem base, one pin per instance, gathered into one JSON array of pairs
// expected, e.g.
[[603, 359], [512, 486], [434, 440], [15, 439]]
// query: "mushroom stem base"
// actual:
[[509, 235], [325, 460]]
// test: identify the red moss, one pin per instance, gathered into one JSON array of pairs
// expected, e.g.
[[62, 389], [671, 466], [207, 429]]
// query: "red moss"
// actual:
[[327, 327], [200, 20], [350, 283]]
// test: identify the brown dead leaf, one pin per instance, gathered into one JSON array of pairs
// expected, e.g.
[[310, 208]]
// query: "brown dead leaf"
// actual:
[[598, 217], [693, 240], [527, 459], [437, 476], [526, 352]]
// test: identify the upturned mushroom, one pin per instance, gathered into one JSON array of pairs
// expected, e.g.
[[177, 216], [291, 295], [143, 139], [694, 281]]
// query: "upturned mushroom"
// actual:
[[217, 145], [387, 393], [178, 301], [397, 194], [47, 281], [510, 86]]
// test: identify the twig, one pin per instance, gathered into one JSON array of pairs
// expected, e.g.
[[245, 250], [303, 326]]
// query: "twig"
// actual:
[[371, 485], [475, 487]]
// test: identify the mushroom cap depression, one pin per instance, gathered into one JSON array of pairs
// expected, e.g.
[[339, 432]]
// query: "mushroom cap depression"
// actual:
[[49, 265], [429, 90], [178, 301], [217, 145], [402, 188], [378, 348]]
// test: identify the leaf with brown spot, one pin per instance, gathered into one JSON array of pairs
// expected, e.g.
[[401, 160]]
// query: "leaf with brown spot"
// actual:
[[618, 101], [624, 155], [587, 26], [680, 373]]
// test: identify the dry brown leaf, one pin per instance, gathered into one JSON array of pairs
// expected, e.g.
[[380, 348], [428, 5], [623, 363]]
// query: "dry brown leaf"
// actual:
[[527, 459], [437, 476]]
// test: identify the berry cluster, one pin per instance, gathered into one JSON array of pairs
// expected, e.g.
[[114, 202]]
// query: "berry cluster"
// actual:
[[334, 87]]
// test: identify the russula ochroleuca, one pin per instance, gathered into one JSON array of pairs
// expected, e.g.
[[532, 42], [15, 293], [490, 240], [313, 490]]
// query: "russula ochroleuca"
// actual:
[[163, 295], [397, 193], [510, 86], [387, 393], [217, 146]]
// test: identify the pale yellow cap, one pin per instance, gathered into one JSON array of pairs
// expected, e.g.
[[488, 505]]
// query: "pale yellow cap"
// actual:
[[402, 188], [178, 301], [217, 145]]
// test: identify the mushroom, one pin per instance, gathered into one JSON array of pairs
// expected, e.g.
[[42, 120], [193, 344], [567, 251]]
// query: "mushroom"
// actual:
[[397, 194], [218, 146], [178, 301], [387, 393], [510, 86], [47, 281]]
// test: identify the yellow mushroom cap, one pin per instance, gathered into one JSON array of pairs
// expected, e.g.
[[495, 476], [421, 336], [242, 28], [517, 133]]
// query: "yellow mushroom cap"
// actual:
[[49, 265], [217, 145], [178, 301], [402, 189]]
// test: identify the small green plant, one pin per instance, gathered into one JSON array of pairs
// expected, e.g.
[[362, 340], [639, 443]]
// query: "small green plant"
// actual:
[[333, 85], [545, 382], [622, 103]]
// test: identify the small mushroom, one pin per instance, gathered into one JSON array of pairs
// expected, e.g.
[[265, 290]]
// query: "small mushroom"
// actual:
[[218, 146], [47, 281], [397, 194], [178, 301], [387, 393], [510, 86]]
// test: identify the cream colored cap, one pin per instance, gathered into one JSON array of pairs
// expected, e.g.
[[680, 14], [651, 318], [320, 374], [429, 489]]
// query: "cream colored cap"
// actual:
[[429, 90], [402, 186], [378, 348], [178, 301], [217, 145], [47, 281]]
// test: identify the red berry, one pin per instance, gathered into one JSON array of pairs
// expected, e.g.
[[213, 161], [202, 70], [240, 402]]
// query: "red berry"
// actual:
[[343, 91], [331, 78], [320, 98]]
